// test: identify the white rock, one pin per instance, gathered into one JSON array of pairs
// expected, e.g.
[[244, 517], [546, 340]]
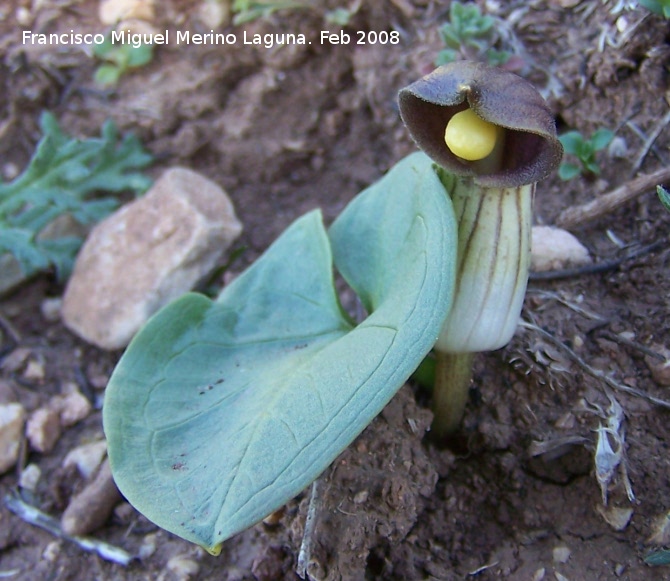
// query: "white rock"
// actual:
[[12, 418], [182, 567], [87, 457], [112, 11], [148, 546], [30, 476], [146, 254], [214, 14], [43, 429], [52, 551], [555, 249], [561, 554], [72, 408], [618, 518], [50, 309]]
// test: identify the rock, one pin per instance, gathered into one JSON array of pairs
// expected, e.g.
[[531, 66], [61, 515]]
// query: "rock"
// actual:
[[50, 309], [183, 567], [214, 14], [72, 408], [146, 254], [617, 518], [561, 554], [91, 508], [148, 546], [52, 551], [87, 457], [30, 477], [34, 371], [12, 418], [112, 11], [43, 429], [555, 249]]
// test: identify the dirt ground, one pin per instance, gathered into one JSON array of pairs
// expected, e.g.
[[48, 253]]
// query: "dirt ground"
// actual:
[[291, 128]]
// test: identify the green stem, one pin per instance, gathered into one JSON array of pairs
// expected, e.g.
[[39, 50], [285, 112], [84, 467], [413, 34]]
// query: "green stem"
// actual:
[[453, 374]]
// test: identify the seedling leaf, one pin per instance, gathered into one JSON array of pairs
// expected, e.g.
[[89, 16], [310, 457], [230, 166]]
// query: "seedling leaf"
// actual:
[[221, 411], [568, 171], [572, 142], [601, 138]]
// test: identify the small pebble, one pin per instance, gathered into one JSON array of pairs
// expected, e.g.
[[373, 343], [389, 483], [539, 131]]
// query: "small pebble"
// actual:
[[15, 360], [30, 476], [555, 249], [148, 546], [561, 554], [214, 14], [23, 16], [51, 551], [72, 408], [87, 457], [183, 567], [34, 371], [113, 11], [91, 508], [617, 518], [43, 429], [361, 497], [51, 309]]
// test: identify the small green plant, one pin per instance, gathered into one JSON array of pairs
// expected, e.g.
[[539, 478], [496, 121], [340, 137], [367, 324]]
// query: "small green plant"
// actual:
[[660, 7], [470, 35], [62, 178], [119, 58], [248, 10], [584, 150], [340, 16], [664, 196]]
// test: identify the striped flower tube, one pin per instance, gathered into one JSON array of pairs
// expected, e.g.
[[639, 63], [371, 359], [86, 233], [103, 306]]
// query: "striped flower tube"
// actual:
[[493, 136]]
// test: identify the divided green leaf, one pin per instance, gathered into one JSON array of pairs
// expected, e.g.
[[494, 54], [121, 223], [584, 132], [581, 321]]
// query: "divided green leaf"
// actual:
[[61, 179], [221, 411]]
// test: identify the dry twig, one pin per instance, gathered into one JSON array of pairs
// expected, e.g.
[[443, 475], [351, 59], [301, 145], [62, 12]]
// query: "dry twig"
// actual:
[[577, 215], [305, 553]]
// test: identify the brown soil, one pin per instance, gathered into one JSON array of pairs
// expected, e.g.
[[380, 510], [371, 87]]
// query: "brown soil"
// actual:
[[288, 129]]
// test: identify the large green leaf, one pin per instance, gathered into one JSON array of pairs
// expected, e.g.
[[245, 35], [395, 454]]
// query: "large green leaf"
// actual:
[[221, 411]]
